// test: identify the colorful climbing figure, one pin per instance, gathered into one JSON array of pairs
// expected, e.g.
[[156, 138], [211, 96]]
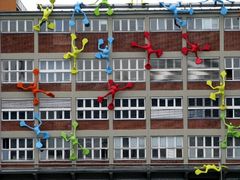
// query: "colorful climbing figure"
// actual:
[[223, 10], [113, 89], [132, 2], [46, 13], [206, 167], [194, 48], [78, 10], [103, 3], [74, 142], [174, 9], [36, 128], [220, 90], [75, 52], [105, 53], [34, 88], [148, 47]]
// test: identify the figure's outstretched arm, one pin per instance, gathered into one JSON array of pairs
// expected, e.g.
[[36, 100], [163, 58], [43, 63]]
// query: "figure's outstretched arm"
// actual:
[[40, 6], [129, 85]]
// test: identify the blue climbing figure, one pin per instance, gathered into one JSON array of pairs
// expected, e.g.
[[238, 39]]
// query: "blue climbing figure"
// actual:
[[175, 10], [40, 134], [78, 10], [223, 10], [105, 52]]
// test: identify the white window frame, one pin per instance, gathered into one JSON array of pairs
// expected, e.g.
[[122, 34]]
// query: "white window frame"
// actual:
[[203, 108], [232, 68], [165, 21], [232, 27], [16, 31], [44, 29], [129, 109], [173, 112], [129, 70], [204, 20], [129, 148], [166, 71], [64, 148], [91, 156], [17, 149], [204, 148], [101, 108], [232, 148], [54, 71], [232, 107], [201, 68], [171, 152], [81, 28], [137, 28]]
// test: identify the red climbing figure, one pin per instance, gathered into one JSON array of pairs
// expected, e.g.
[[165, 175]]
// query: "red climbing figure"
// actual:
[[113, 89], [34, 88], [149, 49], [194, 48]]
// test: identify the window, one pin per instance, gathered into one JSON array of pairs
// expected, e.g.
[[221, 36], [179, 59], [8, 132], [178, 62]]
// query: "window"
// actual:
[[203, 108], [165, 70], [232, 66], [17, 149], [233, 107], [96, 25], [16, 110], [92, 71], [91, 109], [129, 25], [97, 146], [203, 24], [55, 109], [203, 147], [125, 70], [54, 149], [129, 109], [166, 108], [231, 23], [129, 148], [167, 147], [14, 71], [163, 24], [233, 148], [16, 26], [209, 69], [53, 71], [61, 25]]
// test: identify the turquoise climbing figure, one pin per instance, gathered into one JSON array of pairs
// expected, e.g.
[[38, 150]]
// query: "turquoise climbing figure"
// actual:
[[36, 128], [223, 10]]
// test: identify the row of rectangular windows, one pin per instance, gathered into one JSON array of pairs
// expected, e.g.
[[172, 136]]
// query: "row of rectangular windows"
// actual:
[[123, 25], [125, 108], [124, 70], [125, 148]]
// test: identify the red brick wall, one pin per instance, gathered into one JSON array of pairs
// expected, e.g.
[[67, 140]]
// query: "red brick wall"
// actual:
[[136, 86], [166, 124], [235, 122], [56, 125], [91, 87], [234, 161], [17, 43], [231, 40], [166, 86], [129, 124], [93, 125], [167, 161], [55, 86], [204, 161], [230, 85], [206, 37], [167, 41], [11, 88], [204, 124], [14, 126], [126, 162], [50, 43], [200, 85]]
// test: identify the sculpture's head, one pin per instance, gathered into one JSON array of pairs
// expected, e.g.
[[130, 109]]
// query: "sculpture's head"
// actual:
[[172, 7]]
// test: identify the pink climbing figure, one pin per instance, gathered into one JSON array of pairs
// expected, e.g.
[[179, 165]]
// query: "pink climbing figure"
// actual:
[[148, 47], [194, 48], [113, 89], [34, 88]]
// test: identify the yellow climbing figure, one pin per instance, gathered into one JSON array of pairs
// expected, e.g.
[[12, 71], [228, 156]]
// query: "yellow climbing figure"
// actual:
[[46, 13], [221, 90], [206, 167], [75, 52]]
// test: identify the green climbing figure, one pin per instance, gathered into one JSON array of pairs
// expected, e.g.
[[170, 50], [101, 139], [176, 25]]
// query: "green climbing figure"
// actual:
[[46, 14], [206, 167], [103, 3], [75, 52], [74, 142], [221, 90]]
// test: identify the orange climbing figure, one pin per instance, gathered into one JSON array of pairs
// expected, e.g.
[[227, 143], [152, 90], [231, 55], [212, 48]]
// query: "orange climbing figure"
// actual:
[[206, 167], [34, 88], [113, 89]]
